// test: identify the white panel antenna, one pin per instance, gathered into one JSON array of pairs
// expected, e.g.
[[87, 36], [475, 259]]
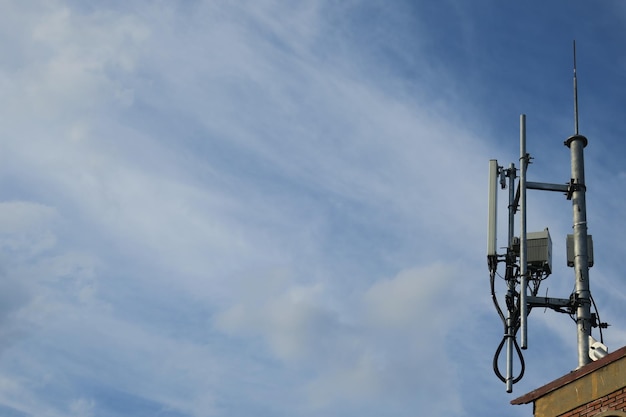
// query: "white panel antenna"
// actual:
[[494, 173]]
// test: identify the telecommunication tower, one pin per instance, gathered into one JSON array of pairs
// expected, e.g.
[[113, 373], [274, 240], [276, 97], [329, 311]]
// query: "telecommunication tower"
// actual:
[[527, 258]]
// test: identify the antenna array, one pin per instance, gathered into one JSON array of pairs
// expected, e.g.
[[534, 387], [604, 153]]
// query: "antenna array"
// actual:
[[528, 257]]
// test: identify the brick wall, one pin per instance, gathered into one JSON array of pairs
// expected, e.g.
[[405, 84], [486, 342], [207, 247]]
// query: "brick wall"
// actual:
[[615, 401]]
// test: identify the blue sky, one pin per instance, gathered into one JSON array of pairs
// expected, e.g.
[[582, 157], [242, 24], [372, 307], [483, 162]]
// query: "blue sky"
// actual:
[[235, 208]]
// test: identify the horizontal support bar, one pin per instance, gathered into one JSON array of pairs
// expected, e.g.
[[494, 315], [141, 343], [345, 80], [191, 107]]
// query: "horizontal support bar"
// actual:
[[547, 187], [549, 302], [563, 188]]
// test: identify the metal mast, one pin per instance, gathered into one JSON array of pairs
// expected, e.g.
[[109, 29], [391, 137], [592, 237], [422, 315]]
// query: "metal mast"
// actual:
[[523, 252], [582, 295]]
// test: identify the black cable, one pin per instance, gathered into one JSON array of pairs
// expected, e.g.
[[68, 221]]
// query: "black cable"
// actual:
[[496, 370], [494, 298], [598, 316], [520, 355], [498, 352]]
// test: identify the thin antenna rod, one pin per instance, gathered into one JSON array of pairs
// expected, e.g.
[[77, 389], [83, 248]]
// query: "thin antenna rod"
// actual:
[[575, 94]]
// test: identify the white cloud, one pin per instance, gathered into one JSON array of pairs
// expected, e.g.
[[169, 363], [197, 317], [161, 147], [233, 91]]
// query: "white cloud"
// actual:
[[288, 316], [411, 295], [82, 407], [374, 349]]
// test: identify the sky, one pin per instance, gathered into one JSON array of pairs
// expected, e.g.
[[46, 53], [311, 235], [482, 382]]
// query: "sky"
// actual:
[[273, 208]]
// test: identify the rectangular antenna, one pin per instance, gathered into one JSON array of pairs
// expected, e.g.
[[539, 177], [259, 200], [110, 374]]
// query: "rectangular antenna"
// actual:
[[493, 209]]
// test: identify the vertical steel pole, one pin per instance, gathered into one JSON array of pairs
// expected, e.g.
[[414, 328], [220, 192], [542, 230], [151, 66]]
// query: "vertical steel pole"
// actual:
[[522, 252], [582, 293], [510, 325]]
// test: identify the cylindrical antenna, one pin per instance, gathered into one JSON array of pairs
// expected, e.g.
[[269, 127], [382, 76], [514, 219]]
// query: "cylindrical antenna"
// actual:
[[522, 239], [575, 94]]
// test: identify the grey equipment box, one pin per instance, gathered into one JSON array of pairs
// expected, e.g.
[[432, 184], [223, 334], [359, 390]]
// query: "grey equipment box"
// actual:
[[569, 243], [538, 251]]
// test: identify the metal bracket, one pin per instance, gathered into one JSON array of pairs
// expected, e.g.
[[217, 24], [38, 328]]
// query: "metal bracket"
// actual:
[[572, 186]]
